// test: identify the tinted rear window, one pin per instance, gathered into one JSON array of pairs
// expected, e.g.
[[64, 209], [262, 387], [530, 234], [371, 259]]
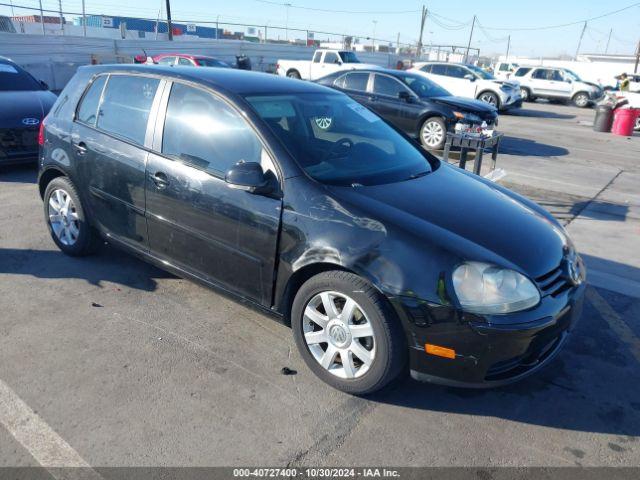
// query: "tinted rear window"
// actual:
[[521, 72], [13, 78], [126, 105], [356, 81]]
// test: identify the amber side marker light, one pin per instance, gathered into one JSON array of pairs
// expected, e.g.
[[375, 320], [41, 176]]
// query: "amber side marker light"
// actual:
[[439, 351]]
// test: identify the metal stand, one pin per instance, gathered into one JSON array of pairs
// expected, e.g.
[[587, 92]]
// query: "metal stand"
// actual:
[[468, 142]]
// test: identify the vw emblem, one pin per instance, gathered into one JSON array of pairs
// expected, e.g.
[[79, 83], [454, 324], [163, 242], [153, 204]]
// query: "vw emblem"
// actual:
[[573, 269], [338, 334], [30, 121]]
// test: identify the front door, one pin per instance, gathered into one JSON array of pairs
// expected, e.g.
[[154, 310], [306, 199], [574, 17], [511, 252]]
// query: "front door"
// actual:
[[390, 106], [108, 139], [196, 221]]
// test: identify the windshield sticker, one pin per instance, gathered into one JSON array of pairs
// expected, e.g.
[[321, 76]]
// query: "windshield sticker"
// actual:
[[363, 112], [7, 68]]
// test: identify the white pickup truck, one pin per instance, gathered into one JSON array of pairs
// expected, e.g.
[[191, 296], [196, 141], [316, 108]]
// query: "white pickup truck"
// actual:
[[322, 63]]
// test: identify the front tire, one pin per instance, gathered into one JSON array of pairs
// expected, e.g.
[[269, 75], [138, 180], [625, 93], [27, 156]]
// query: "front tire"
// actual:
[[525, 94], [66, 218], [433, 133], [347, 334], [490, 98], [581, 100]]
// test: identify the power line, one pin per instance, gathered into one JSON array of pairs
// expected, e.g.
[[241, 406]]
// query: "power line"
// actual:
[[327, 10]]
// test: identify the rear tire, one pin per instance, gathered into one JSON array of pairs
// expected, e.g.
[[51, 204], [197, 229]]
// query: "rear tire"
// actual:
[[294, 74], [67, 220], [359, 346], [433, 133]]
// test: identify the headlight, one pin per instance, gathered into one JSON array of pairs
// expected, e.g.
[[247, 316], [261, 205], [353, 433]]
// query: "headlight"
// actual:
[[469, 117], [487, 289]]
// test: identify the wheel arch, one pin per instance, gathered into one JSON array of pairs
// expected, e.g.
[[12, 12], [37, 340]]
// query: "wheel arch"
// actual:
[[293, 69], [47, 176]]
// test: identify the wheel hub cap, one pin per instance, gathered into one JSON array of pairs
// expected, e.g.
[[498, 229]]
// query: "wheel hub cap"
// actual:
[[63, 217], [339, 334]]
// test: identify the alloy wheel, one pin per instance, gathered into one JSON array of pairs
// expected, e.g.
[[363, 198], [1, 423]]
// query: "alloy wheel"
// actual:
[[63, 217], [339, 335], [581, 100], [489, 98], [524, 94], [432, 134]]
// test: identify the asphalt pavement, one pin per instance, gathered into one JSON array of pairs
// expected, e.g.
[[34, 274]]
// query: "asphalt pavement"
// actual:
[[108, 361]]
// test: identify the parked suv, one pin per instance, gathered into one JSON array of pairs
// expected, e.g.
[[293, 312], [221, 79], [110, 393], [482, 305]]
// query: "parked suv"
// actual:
[[556, 84], [473, 82], [381, 257]]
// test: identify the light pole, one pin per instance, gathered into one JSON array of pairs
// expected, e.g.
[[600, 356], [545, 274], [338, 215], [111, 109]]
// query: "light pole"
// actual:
[[286, 23], [373, 39]]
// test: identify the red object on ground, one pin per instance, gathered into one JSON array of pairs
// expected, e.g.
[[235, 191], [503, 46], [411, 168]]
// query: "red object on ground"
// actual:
[[624, 120]]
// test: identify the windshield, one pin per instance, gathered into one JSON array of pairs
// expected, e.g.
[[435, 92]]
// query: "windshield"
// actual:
[[572, 75], [13, 78], [481, 73], [349, 57], [423, 87], [211, 62], [337, 141]]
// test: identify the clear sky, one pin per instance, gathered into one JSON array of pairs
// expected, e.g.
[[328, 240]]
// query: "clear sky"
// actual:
[[450, 23]]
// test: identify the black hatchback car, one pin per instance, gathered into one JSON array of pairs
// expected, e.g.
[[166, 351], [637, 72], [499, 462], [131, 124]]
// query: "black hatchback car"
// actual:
[[380, 256], [24, 102], [412, 103]]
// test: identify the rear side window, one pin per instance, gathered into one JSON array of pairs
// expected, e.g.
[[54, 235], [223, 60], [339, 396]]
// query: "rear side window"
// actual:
[[184, 61], [540, 74], [356, 81], [316, 57], [203, 131], [167, 61], [439, 69], [126, 105], [88, 110]]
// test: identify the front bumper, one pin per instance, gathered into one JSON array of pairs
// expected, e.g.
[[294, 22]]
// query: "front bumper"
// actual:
[[487, 353], [512, 101]]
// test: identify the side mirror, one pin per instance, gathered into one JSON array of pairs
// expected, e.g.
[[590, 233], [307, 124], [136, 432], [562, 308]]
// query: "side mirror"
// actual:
[[44, 85], [247, 176], [337, 61], [470, 77], [406, 96]]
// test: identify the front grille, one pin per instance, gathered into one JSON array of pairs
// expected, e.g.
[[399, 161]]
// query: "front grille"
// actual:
[[18, 141], [554, 282]]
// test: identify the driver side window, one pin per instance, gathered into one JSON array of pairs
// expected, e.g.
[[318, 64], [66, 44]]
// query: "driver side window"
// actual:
[[384, 85], [331, 57], [204, 132], [456, 72]]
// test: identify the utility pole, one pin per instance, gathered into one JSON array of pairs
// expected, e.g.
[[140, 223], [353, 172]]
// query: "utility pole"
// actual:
[[606, 49], [169, 26], [373, 39], [286, 24], [84, 21], [635, 68], [423, 19], [42, 18], [506, 57], [584, 27], [466, 55], [398, 44], [61, 17]]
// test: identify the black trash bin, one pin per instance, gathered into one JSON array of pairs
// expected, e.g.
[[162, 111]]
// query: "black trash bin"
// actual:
[[243, 62], [604, 118]]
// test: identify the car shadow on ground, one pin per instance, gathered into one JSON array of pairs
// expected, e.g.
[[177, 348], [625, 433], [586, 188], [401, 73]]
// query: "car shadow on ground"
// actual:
[[107, 265], [524, 147], [27, 173], [525, 112], [592, 386]]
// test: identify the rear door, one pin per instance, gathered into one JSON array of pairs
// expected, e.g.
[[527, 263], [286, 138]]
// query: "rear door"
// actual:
[[110, 138], [355, 84], [542, 82], [196, 221]]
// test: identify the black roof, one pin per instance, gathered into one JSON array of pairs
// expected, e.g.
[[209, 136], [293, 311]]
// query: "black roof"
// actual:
[[389, 71], [241, 82]]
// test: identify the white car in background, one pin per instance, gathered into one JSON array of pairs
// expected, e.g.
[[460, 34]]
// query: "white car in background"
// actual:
[[464, 80], [504, 70], [323, 63], [555, 83]]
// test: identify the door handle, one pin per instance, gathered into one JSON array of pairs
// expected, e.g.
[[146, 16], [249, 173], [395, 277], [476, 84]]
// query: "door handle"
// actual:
[[81, 148], [160, 179]]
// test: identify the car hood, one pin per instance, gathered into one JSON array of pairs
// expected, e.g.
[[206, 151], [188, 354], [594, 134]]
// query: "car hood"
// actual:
[[466, 104], [511, 83], [471, 218], [18, 105]]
